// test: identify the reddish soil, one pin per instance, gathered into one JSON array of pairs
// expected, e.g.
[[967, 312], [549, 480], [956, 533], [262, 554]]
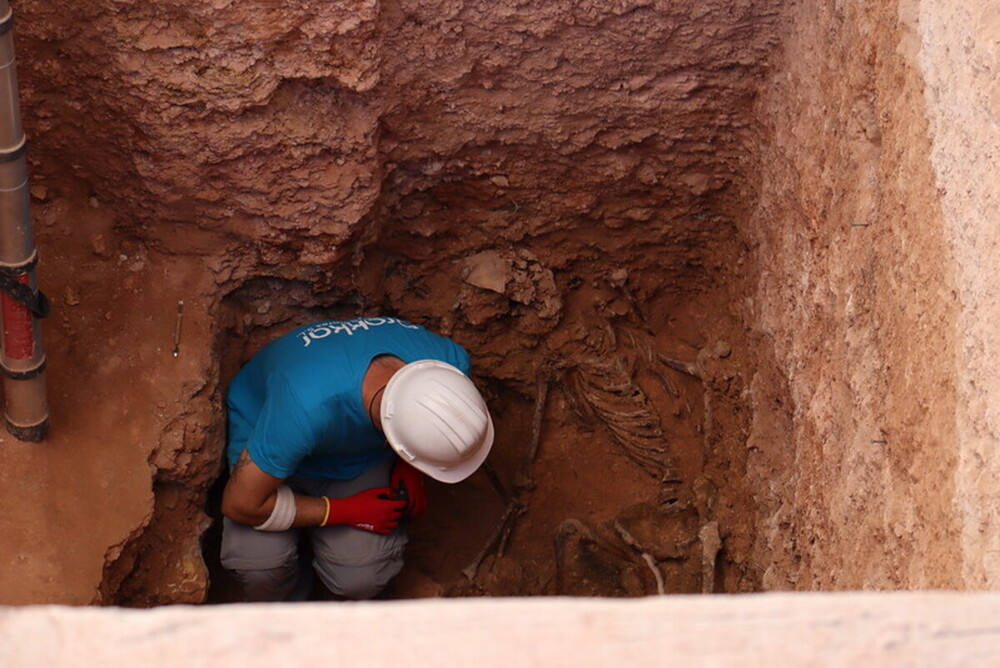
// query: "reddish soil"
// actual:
[[580, 472], [640, 210], [568, 218]]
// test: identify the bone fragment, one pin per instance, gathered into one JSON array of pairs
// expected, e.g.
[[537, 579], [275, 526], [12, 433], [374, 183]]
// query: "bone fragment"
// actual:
[[711, 543]]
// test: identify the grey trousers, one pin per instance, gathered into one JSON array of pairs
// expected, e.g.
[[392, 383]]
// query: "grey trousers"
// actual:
[[351, 563]]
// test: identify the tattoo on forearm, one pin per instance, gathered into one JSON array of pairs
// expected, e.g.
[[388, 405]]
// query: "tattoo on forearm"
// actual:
[[241, 462]]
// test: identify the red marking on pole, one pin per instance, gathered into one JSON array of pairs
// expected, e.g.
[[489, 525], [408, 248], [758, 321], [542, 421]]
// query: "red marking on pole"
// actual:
[[18, 333]]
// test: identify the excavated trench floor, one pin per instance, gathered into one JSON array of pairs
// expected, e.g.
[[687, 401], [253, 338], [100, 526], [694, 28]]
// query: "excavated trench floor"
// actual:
[[604, 475]]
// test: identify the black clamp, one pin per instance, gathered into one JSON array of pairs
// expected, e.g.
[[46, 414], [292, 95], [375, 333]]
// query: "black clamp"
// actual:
[[34, 300]]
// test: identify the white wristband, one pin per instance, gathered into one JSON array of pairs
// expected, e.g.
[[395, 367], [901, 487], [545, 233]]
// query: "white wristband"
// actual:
[[283, 513]]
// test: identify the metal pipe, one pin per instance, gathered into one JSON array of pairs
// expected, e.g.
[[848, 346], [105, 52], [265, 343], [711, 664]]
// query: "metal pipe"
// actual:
[[22, 357]]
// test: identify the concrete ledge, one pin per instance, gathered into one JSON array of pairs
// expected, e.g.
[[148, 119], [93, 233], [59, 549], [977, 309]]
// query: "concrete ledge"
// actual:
[[859, 629]]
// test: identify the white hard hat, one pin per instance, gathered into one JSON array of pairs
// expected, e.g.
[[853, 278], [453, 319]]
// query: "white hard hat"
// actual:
[[435, 419]]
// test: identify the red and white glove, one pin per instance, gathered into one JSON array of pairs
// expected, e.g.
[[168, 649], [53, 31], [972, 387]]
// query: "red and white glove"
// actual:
[[411, 481], [376, 510]]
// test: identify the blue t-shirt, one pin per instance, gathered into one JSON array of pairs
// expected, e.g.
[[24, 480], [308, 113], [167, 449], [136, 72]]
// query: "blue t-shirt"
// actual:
[[296, 406]]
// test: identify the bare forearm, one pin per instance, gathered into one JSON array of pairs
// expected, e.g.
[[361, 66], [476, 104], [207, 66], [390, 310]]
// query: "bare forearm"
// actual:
[[251, 495], [261, 500], [309, 510]]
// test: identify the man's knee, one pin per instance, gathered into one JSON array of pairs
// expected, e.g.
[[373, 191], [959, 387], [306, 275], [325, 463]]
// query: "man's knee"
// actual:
[[358, 582], [357, 564], [265, 564], [359, 586], [281, 583]]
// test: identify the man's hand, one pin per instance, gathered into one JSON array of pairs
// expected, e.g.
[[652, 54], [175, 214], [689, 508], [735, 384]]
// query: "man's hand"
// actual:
[[412, 482], [374, 510]]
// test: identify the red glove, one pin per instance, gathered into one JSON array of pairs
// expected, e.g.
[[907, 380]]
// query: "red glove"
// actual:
[[375, 510], [408, 479]]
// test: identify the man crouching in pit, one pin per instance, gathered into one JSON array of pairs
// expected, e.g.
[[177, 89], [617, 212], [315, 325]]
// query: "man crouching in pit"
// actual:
[[330, 429]]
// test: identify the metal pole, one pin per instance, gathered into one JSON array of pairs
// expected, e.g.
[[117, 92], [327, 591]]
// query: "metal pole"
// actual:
[[22, 358]]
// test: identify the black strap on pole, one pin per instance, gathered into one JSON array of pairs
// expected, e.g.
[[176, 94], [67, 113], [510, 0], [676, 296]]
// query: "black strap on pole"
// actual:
[[34, 300]]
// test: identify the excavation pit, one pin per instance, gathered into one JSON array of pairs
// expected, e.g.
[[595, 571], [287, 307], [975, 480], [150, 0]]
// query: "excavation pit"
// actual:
[[738, 248]]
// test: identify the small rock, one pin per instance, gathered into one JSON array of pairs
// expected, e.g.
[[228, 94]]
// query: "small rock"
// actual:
[[47, 216], [619, 307], [136, 266], [647, 175], [487, 270], [639, 214], [411, 208], [39, 192], [699, 184], [71, 298], [94, 203], [500, 181], [99, 246], [723, 350], [619, 277]]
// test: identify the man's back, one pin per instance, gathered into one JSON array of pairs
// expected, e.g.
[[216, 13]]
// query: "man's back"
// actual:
[[296, 406]]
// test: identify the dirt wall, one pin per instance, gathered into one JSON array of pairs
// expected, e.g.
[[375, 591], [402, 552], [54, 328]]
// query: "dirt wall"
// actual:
[[567, 173], [960, 58], [873, 419]]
